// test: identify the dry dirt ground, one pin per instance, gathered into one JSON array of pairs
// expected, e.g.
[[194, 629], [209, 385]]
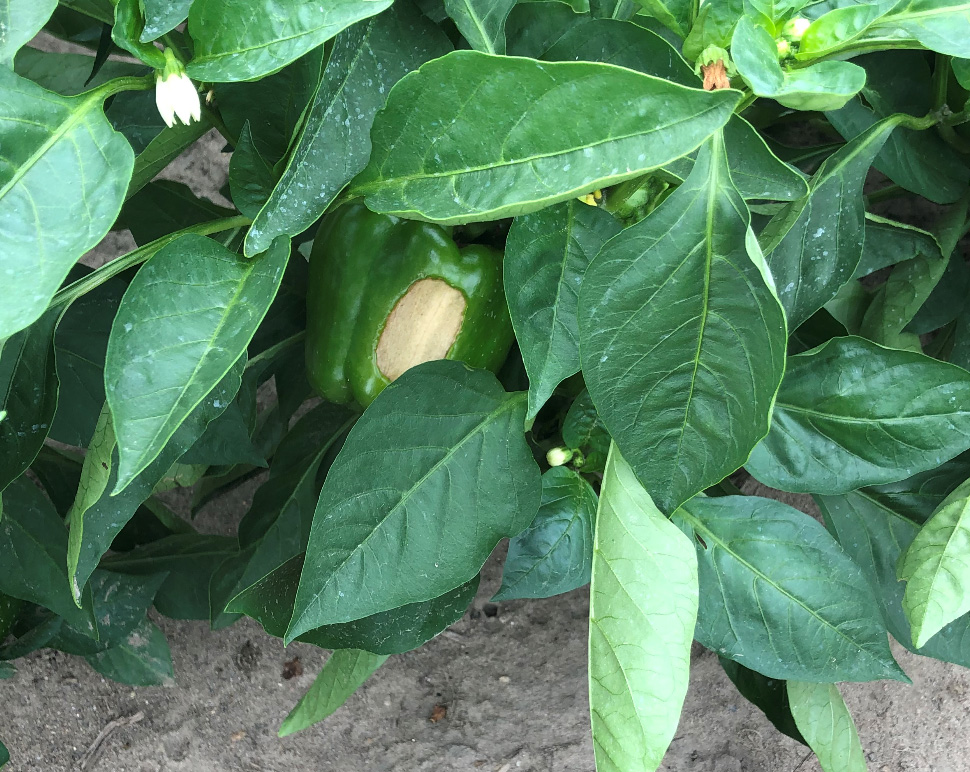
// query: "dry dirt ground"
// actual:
[[511, 678]]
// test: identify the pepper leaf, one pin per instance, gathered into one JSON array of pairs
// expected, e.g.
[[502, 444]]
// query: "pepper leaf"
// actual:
[[643, 604], [779, 595], [197, 298], [436, 471], [546, 255], [524, 156], [851, 413], [682, 336], [69, 157]]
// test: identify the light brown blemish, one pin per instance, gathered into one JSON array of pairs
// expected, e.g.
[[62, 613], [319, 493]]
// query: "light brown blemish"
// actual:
[[421, 327]]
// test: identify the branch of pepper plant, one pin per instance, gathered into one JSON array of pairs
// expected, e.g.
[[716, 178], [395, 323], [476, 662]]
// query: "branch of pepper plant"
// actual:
[[99, 276]]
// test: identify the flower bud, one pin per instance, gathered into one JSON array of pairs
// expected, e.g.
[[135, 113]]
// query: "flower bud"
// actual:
[[558, 456], [784, 49], [795, 28]]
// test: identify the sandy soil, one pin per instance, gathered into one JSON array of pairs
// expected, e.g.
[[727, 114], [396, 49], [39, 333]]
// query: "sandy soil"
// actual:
[[511, 677]]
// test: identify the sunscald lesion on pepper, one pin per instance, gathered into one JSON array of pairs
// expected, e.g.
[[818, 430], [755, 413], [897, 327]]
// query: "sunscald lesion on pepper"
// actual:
[[386, 294]]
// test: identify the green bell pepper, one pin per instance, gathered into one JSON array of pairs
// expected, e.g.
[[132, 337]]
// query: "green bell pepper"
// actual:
[[386, 294]]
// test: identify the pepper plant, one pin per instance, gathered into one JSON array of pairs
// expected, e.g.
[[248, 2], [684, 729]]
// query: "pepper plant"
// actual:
[[712, 268]]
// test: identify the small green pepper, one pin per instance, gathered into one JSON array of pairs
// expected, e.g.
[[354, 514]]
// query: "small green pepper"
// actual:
[[386, 294]]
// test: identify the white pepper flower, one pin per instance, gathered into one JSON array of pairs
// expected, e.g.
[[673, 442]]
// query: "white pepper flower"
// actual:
[[175, 94]]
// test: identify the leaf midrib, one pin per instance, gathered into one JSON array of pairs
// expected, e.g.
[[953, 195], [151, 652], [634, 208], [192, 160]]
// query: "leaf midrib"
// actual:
[[715, 539], [77, 115], [507, 404]]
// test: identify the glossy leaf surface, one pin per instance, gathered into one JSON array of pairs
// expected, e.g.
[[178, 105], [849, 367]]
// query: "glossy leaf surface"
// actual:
[[334, 144], [779, 595], [247, 39], [683, 338], [183, 323], [851, 413], [553, 555], [63, 177], [270, 602], [524, 156], [546, 256], [434, 473]]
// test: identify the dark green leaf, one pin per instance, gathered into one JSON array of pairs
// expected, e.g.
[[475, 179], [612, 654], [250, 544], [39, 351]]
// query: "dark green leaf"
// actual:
[[780, 595], [143, 659], [274, 105], [643, 603], [436, 471], [277, 525], [226, 441], [555, 554], [814, 245], [28, 395], [162, 149], [270, 602], [162, 16], [546, 255], [33, 556], [68, 74], [346, 670], [248, 39], [135, 114], [852, 413], [97, 516], [189, 559], [120, 605], [888, 242], [80, 343], [524, 156], [334, 145], [556, 34], [900, 81], [582, 430], [197, 298], [755, 170], [69, 158], [683, 338], [251, 179], [163, 207]]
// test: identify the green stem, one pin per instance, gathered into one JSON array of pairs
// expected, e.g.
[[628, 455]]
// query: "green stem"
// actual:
[[96, 278], [941, 71], [127, 83], [270, 353], [745, 103]]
